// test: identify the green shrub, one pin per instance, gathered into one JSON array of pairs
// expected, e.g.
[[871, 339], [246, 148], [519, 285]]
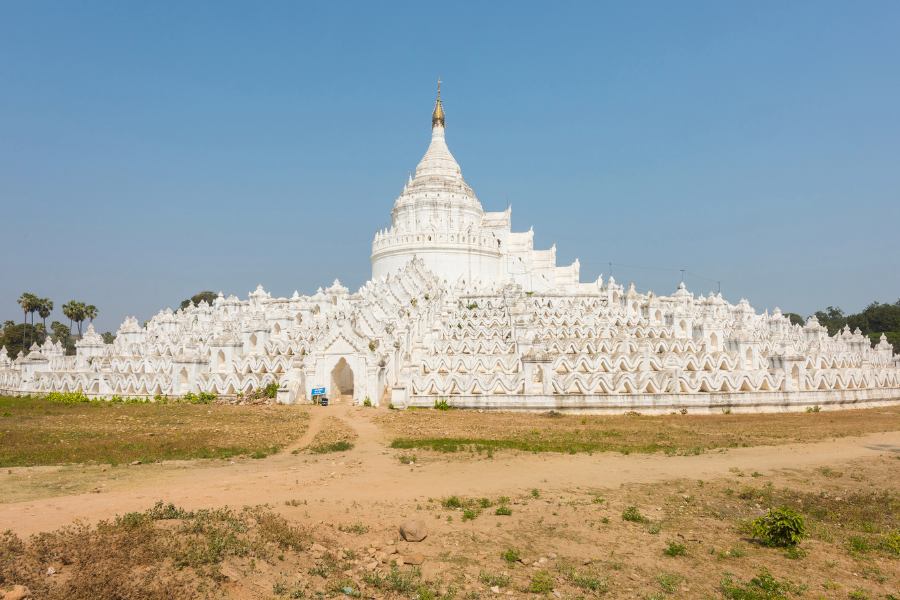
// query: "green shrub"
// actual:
[[780, 527], [588, 582], [452, 502], [67, 397], [541, 583], [494, 579], [510, 555], [669, 582], [890, 543], [367, 402], [675, 549], [469, 514], [858, 544], [633, 514], [503, 511], [201, 398], [271, 390], [442, 404], [761, 587], [354, 528], [340, 446]]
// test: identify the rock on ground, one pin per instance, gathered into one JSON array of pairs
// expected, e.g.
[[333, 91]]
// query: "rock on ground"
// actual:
[[18, 592], [413, 531]]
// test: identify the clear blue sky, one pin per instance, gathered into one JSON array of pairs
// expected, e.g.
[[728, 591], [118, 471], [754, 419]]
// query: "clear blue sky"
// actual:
[[149, 150]]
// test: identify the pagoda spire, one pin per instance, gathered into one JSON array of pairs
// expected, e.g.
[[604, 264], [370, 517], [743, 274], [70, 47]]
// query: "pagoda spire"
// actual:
[[437, 116]]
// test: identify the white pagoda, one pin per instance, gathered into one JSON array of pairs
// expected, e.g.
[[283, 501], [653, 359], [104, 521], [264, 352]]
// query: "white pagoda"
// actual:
[[462, 309]]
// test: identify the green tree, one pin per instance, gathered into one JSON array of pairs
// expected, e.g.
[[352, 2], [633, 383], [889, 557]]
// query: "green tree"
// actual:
[[63, 335], [19, 337], [75, 311], [875, 319], [199, 297], [90, 312], [832, 318], [28, 302], [44, 310], [795, 319]]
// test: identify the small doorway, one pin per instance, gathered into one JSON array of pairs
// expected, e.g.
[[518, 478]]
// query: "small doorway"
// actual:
[[342, 380]]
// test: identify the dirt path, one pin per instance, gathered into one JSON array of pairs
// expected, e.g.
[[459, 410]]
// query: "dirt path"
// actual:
[[316, 418], [371, 473]]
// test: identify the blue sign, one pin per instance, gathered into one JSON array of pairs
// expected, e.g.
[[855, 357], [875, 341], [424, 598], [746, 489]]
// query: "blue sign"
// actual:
[[318, 391]]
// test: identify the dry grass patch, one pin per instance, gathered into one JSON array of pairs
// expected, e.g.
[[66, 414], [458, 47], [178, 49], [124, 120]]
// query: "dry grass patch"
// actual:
[[34, 431], [335, 436], [164, 552], [486, 432]]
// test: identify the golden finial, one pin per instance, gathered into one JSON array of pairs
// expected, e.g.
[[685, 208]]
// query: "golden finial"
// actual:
[[437, 117]]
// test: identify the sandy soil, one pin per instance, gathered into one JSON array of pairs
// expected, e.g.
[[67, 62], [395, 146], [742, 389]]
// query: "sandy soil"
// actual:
[[556, 522], [370, 472]]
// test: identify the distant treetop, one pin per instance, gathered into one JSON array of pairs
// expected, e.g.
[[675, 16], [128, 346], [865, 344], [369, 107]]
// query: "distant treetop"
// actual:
[[198, 297]]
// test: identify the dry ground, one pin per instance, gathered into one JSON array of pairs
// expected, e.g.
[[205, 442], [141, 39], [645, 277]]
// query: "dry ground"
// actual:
[[455, 430], [35, 431], [329, 527]]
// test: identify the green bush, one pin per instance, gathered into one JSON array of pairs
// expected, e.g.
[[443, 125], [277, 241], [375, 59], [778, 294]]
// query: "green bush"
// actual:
[[588, 582], [339, 446], [452, 502], [675, 549], [493, 579], [541, 583], [271, 390], [780, 527], [201, 398], [367, 402], [890, 543], [442, 404], [503, 511], [761, 587], [67, 397], [633, 514], [510, 555]]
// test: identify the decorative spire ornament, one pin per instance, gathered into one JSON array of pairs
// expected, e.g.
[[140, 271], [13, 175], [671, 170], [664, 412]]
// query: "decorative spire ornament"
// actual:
[[437, 116]]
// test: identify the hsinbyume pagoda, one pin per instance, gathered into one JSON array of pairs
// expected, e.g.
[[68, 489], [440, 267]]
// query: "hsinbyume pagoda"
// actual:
[[461, 308]]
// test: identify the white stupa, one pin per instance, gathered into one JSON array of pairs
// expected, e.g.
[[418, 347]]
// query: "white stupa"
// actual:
[[460, 308]]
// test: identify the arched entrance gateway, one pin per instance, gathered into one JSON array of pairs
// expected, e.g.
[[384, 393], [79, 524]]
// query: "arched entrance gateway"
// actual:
[[342, 380]]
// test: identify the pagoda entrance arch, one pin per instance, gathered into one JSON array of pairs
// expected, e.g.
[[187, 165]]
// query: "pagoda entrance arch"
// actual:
[[342, 379]]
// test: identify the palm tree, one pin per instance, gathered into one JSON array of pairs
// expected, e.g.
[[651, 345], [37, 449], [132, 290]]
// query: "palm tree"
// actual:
[[76, 311], [45, 309], [90, 312], [79, 315], [27, 301], [69, 311]]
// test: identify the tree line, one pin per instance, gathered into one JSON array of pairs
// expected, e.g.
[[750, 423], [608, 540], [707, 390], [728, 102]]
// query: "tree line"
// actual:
[[20, 337], [873, 320]]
